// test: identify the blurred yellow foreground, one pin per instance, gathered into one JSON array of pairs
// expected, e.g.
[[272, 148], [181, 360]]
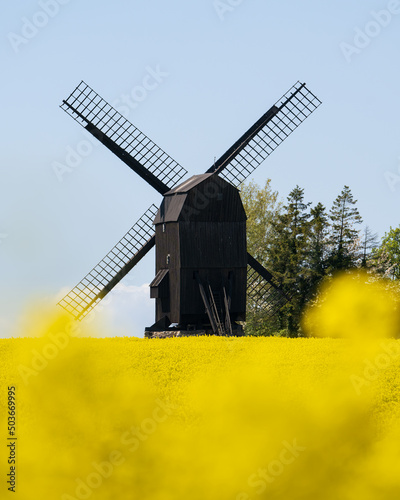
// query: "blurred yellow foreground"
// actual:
[[210, 418]]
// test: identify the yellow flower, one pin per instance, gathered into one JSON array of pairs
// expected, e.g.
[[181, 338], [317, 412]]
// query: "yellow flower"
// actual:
[[354, 306]]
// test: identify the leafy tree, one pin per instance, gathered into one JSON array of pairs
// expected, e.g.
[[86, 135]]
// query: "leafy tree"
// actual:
[[386, 258], [262, 208], [344, 238]]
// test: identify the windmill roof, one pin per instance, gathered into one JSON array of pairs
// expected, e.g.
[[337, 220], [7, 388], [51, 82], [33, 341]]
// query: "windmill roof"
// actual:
[[191, 201], [171, 208], [186, 186]]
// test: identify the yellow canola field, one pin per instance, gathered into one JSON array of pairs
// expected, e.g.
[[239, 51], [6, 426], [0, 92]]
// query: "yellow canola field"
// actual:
[[207, 418], [201, 418]]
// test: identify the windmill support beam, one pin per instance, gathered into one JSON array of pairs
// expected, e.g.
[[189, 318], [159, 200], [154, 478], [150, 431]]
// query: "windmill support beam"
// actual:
[[207, 304]]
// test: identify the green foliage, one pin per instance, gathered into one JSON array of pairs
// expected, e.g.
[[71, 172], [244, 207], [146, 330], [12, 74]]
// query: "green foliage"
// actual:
[[288, 252], [302, 246], [386, 258], [262, 207], [344, 238], [258, 323], [368, 244], [317, 254]]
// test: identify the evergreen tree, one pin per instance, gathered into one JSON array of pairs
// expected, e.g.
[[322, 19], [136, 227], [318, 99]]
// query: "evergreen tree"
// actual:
[[369, 242], [344, 238], [301, 246], [287, 257], [317, 246]]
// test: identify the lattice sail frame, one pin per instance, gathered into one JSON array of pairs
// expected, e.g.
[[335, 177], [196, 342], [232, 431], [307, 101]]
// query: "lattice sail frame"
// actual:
[[291, 110], [93, 287], [87, 107], [265, 296]]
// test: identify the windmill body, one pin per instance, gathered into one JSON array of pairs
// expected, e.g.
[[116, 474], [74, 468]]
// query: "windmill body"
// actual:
[[201, 256], [203, 270]]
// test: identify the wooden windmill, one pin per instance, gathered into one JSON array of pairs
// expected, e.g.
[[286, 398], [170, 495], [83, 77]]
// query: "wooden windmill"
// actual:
[[203, 270]]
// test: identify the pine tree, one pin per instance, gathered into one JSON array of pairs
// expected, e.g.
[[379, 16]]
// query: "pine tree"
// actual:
[[317, 252], [344, 238], [288, 255], [369, 242]]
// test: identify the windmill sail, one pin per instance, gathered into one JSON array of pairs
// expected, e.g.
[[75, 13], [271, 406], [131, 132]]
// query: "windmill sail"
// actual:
[[126, 141], [115, 265], [263, 289], [266, 134]]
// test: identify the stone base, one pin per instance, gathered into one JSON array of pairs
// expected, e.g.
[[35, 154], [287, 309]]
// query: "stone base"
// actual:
[[176, 333], [238, 332]]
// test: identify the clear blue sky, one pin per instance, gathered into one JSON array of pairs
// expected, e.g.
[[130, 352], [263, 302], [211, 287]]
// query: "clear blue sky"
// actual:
[[221, 65]]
